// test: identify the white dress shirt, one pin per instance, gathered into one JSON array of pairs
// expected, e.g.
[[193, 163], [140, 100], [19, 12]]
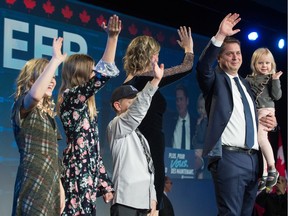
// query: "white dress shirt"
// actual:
[[177, 136]]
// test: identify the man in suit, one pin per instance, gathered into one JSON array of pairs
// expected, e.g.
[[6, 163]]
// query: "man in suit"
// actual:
[[167, 209], [175, 124], [233, 159]]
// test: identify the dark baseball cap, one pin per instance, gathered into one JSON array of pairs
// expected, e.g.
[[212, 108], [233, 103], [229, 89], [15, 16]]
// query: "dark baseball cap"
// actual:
[[123, 91]]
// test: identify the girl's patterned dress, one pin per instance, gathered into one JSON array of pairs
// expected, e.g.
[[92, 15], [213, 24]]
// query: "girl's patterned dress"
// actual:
[[37, 183], [85, 175]]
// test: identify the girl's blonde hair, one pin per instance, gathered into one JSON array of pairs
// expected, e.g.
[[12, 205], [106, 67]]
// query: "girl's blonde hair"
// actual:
[[257, 54], [76, 70], [27, 76], [138, 55]]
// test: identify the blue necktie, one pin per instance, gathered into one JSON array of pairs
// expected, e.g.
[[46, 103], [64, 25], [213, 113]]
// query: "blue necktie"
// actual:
[[248, 116], [183, 141]]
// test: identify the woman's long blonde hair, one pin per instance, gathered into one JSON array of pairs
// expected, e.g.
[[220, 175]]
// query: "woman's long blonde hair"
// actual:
[[26, 78], [76, 71], [138, 55]]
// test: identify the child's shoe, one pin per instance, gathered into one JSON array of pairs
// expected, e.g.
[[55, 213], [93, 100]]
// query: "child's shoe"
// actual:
[[262, 183], [272, 179]]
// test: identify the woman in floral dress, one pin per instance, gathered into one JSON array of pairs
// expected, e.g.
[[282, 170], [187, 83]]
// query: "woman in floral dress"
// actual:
[[85, 176]]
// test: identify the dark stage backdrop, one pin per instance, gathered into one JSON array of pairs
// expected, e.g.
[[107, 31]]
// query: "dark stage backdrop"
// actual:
[[27, 30]]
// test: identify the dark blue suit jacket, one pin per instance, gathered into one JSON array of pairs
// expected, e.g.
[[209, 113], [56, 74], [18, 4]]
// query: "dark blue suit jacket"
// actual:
[[167, 209], [216, 88]]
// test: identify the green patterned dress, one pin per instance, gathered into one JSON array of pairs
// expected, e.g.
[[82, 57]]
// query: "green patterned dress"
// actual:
[[36, 191]]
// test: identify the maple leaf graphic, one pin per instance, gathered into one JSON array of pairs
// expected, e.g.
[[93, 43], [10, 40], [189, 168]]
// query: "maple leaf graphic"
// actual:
[[160, 37], [10, 2], [133, 29], [147, 32], [280, 156], [29, 4], [100, 20], [48, 7], [84, 16], [66, 12]]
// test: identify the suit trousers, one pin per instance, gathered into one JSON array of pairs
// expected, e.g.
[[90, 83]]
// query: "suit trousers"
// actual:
[[235, 178]]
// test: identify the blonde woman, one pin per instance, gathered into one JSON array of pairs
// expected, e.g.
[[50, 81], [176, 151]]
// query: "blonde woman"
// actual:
[[38, 184], [265, 84], [140, 54], [85, 175]]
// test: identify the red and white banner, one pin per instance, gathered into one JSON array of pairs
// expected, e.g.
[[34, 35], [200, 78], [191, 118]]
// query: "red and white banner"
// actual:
[[280, 162]]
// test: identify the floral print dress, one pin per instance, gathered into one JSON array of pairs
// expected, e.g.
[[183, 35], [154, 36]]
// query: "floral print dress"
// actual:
[[85, 176]]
